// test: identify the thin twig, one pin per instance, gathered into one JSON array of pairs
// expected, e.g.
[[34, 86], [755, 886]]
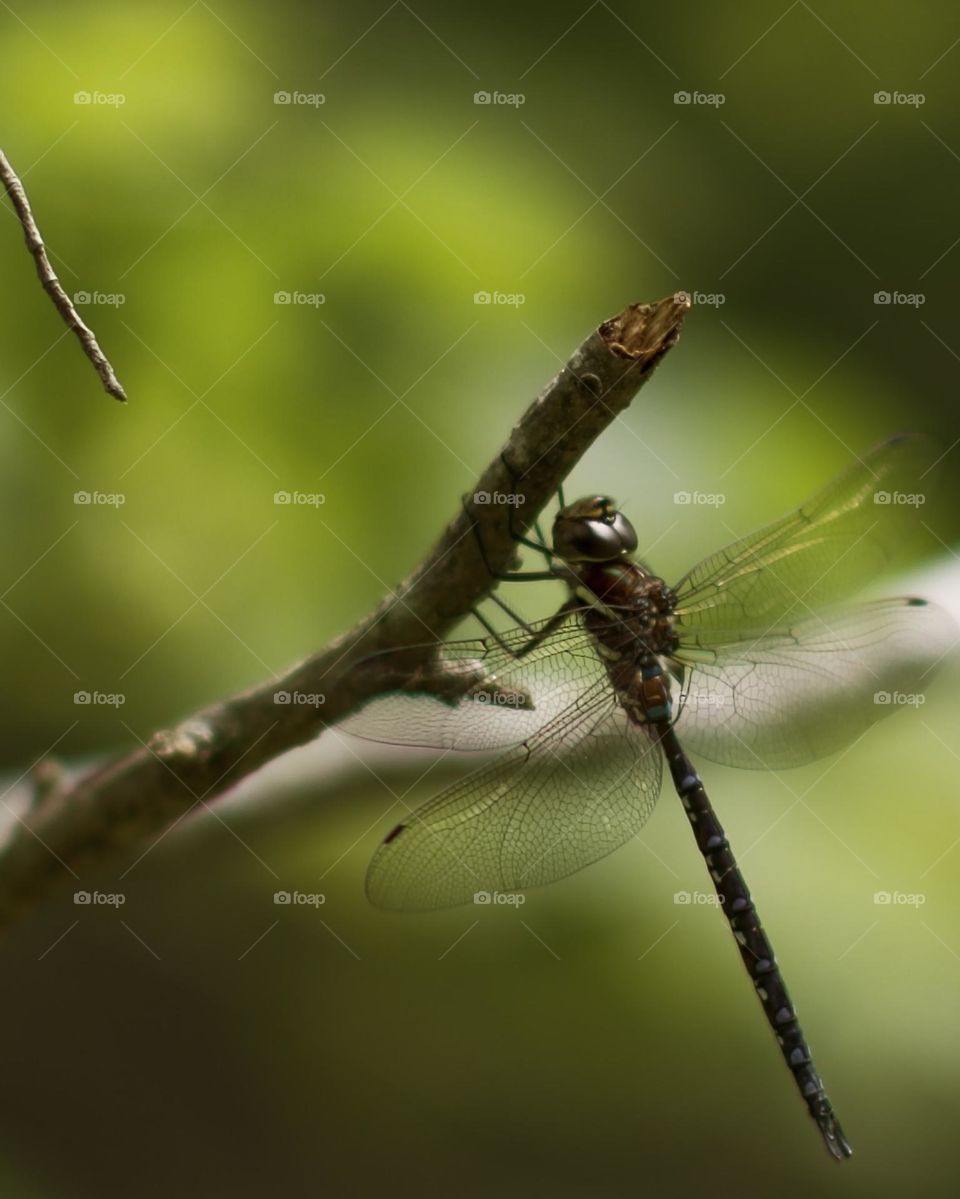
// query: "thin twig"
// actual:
[[184, 768], [52, 285]]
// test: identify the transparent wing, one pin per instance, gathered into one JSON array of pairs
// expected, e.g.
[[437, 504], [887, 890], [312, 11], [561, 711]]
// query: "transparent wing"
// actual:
[[797, 695], [824, 552], [495, 700], [571, 794]]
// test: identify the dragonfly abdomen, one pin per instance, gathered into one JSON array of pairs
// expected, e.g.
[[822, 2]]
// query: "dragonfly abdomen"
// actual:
[[752, 942], [642, 686]]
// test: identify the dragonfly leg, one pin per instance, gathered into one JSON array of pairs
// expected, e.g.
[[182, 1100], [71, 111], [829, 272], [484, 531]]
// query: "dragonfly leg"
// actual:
[[514, 616], [537, 636], [755, 948], [540, 544], [511, 576]]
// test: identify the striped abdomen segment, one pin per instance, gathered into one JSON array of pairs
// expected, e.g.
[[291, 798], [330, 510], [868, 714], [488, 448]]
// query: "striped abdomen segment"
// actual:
[[642, 687], [755, 949]]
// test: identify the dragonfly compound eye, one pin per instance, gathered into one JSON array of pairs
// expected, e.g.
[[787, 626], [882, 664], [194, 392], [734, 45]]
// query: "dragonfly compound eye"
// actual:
[[593, 531], [626, 532]]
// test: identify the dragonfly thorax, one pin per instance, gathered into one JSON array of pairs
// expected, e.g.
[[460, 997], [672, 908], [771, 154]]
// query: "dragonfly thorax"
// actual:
[[630, 610]]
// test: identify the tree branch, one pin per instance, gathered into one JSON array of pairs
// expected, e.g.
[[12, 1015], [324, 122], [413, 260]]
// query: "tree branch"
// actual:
[[52, 285], [81, 822]]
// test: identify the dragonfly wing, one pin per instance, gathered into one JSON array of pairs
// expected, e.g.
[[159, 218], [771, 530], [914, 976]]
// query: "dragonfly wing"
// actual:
[[504, 699], [791, 697], [824, 552], [568, 796]]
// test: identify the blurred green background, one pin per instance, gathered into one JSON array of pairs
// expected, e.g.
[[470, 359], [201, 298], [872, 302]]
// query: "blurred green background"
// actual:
[[602, 1040]]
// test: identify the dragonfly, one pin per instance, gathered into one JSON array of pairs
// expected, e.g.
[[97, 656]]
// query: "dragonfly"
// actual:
[[760, 657]]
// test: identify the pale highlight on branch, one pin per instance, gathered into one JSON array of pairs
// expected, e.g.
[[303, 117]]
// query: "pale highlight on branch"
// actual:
[[77, 824], [51, 284]]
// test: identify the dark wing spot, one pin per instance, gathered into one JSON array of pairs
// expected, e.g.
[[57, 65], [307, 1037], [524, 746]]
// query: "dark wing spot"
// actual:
[[392, 836]]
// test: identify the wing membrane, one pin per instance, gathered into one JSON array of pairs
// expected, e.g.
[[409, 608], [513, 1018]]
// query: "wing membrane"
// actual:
[[507, 698], [568, 796], [797, 695], [825, 551]]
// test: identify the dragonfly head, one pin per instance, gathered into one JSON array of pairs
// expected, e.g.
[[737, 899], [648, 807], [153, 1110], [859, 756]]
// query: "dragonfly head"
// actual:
[[593, 530]]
